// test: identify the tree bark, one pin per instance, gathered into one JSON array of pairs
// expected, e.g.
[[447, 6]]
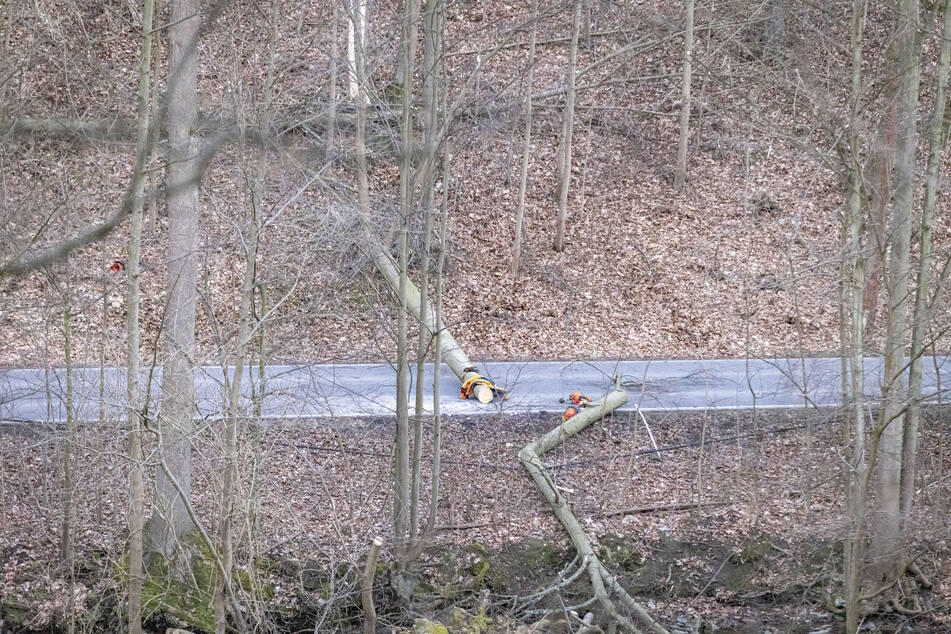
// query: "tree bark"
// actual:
[[887, 529], [155, 120], [567, 129], [774, 30], [66, 527], [923, 305], [526, 148], [430, 43], [136, 457], [170, 521], [853, 285], [402, 485], [356, 37], [680, 175], [332, 92]]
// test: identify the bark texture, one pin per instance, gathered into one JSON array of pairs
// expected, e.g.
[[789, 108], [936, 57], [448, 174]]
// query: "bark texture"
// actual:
[[567, 129], [170, 521], [680, 175], [136, 457], [887, 527]]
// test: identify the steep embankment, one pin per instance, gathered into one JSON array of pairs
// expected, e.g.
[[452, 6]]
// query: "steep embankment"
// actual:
[[744, 260]]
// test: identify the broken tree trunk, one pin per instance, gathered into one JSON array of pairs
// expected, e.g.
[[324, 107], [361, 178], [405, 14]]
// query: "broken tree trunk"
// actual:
[[454, 357], [530, 456]]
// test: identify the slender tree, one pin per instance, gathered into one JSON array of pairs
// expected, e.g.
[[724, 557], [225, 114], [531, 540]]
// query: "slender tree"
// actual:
[[853, 284], [402, 477], [681, 172], [133, 405], [567, 129], [923, 309], [886, 533], [425, 340], [526, 148], [356, 34]]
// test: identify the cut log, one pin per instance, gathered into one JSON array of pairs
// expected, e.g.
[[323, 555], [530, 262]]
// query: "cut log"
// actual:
[[452, 354]]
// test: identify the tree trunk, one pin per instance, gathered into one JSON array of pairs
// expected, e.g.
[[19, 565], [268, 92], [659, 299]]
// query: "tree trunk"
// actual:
[[155, 124], [922, 310], [332, 92], [853, 284], [369, 572], [401, 501], [68, 546], [356, 37], [430, 42], [526, 148], [774, 30], [567, 128], [455, 358], [170, 521], [136, 457], [680, 175], [66, 527], [886, 535]]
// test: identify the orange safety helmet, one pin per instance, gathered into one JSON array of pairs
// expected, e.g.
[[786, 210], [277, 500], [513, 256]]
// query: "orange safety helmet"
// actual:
[[578, 398]]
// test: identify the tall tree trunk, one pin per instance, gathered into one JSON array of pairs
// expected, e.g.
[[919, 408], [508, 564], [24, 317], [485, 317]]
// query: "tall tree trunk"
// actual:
[[66, 527], [922, 310], [425, 341], [170, 521], [155, 124], [853, 285], [886, 536], [526, 148], [401, 500], [567, 129], [680, 176], [332, 92], [437, 357], [67, 545], [356, 37], [774, 30], [136, 457]]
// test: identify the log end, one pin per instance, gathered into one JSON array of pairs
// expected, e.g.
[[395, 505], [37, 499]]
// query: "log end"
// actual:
[[484, 394]]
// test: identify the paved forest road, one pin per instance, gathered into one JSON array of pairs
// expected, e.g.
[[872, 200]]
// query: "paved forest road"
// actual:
[[348, 390]]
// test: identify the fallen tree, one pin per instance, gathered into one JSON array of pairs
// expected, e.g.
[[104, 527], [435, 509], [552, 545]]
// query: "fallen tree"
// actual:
[[452, 354], [604, 584]]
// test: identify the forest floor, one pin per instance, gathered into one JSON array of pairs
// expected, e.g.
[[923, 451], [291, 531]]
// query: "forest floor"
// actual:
[[744, 260], [765, 555]]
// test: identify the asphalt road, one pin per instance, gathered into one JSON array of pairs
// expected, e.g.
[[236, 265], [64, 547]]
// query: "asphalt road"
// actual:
[[348, 390]]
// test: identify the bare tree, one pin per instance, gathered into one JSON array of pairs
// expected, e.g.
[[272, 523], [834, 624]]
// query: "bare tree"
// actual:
[[567, 128], [681, 173], [852, 283], [924, 296], [526, 148], [136, 456], [887, 528], [170, 520], [425, 339], [356, 34], [401, 502]]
